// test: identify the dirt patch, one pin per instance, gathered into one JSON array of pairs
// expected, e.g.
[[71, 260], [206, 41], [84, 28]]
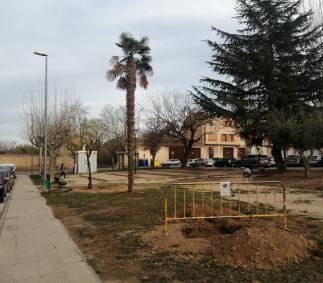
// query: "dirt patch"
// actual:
[[238, 243], [121, 235], [260, 247]]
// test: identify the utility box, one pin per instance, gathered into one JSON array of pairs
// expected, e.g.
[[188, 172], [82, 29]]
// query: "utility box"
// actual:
[[80, 163]]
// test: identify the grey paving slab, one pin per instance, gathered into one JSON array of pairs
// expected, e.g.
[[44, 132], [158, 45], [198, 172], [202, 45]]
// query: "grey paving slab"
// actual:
[[34, 245]]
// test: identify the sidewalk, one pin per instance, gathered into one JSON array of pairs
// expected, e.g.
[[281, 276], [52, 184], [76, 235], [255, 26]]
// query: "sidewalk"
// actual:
[[34, 246]]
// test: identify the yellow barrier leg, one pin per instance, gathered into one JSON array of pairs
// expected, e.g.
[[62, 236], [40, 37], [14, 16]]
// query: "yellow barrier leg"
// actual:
[[166, 218], [284, 203], [184, 207], [193, 200]]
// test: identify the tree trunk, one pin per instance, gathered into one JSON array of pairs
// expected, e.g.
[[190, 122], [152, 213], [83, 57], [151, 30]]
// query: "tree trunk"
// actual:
[[187, 152], [153, 157], [131, 87], [40, 160], [276, 153], [88, 155], [306, 164]]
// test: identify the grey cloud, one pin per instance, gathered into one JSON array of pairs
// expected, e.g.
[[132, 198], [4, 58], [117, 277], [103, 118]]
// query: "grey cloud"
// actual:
[[80, 36]]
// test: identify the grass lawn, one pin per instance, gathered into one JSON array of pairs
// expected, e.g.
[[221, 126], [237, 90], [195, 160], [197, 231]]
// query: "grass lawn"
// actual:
[[107, 227]]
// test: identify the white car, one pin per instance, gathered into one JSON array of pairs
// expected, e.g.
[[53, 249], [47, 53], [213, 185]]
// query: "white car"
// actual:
[[171, 163], [190, 162], [208, 162]]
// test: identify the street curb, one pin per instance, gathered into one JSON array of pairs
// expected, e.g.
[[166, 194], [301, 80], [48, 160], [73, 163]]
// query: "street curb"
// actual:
[[3, 213]]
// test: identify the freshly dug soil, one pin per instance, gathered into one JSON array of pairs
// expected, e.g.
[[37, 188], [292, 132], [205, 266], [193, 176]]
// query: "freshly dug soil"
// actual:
[[256, 247], [259, 244]]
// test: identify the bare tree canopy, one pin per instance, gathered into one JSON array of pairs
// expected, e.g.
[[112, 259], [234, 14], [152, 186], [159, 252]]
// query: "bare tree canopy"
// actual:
[[178, 117], [115, 122], [60, 122]]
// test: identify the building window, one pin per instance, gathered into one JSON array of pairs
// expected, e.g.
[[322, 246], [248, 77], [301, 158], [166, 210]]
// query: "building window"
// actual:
[[223, 137], [228, 123], [212, 137], [230, 138]]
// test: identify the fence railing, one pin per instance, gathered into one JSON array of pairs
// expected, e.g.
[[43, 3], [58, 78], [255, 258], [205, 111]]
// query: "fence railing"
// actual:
[[207, 200]]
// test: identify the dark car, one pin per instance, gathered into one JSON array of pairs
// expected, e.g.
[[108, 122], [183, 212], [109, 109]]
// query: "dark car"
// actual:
[[9, 173], [294, 160], [226, 162], [316, 160], [11, 167], [4, 178], [255, 161], [195, 163]]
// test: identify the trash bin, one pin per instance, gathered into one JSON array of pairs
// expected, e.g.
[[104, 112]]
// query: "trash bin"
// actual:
[[47, 183], [141, 163], [146, 164]]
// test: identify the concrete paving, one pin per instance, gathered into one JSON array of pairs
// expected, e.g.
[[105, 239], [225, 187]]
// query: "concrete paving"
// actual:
[[34, 245]]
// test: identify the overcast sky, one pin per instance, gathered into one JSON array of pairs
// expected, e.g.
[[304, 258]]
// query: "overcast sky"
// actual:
[[80, 37]]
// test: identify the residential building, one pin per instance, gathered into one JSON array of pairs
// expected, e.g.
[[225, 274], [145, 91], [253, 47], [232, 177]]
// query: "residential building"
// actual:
[[218, 139]]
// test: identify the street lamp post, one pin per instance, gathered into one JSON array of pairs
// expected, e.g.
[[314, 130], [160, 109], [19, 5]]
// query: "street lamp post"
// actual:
[[45, 118]]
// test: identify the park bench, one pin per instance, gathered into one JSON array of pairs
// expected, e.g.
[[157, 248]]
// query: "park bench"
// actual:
[[60, 182]]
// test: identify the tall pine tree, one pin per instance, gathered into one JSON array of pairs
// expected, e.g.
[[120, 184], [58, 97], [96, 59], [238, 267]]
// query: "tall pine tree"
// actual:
[[274, 63]]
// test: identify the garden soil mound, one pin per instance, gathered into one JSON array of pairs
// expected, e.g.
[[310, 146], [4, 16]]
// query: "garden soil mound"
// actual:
[[256, 245], [259, 244]]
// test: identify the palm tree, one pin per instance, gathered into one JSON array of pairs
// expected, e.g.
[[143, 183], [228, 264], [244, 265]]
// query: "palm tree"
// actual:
[[133, 65]]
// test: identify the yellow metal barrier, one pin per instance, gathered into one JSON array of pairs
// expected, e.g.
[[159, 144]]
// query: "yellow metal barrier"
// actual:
[[207, 200]]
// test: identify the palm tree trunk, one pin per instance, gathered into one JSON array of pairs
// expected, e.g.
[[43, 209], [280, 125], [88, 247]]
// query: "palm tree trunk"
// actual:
[[131, 87]]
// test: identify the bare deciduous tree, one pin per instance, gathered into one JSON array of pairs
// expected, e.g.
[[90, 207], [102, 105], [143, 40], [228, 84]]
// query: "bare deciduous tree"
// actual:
[[115, 125], [92, 138], [179, 118], [60, 119], [76, 140], [115, 122], [153, 138]]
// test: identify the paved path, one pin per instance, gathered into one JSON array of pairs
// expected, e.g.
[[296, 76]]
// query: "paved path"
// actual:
[[34, 246]]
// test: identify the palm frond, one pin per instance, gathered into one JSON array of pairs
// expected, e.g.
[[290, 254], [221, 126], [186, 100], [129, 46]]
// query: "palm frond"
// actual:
[[117, 71], [122, 83], [111, 75], [114, 60], [143, 81]]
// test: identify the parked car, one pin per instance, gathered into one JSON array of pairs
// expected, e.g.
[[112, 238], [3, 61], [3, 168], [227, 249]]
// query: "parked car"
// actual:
[[255, 161], [226, 162], [316, 160], [12, 168], [208, 162], [195, 163], [171, 163], [272, 162], [4, 183], [294, 160], [189, 163], [215, 159], [3, 191]]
